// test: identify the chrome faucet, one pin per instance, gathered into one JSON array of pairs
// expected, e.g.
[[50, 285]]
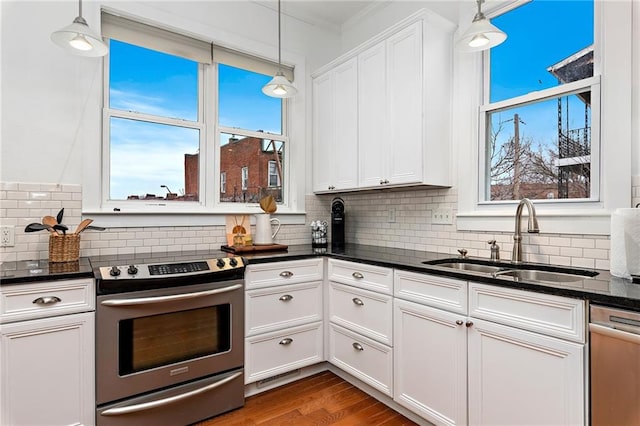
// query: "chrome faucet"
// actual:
[[532, 227]]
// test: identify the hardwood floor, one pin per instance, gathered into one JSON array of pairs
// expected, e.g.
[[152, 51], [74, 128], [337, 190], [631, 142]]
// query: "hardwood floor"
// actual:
[[321, 399]]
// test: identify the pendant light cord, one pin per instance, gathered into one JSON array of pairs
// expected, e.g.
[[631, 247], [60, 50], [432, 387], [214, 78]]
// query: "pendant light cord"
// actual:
[[279, 40], [80, 8]]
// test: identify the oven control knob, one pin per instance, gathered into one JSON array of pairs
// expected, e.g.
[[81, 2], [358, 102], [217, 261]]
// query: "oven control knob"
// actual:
[[220, 263], [132, 270], [115, 271], [233, 261]]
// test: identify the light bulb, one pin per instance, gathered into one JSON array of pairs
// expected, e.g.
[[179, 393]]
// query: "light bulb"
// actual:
[[280, 90], [478, 40], [80, 43]]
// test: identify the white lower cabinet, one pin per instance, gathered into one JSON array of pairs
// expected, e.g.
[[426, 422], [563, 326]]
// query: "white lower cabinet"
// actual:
[[430, 371], [47, 353], [283, 317], [497, 368], [517, 377], [364, 358]]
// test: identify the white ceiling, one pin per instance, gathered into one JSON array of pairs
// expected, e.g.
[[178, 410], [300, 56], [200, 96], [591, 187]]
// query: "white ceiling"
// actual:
[[335, 13]]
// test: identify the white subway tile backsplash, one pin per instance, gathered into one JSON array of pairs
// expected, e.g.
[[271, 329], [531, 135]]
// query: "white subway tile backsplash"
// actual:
[[367, 223]]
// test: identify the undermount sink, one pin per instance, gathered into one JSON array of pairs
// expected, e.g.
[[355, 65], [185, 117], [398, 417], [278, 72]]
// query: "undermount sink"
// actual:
[[518, 272], [537, 275], [471, 267]]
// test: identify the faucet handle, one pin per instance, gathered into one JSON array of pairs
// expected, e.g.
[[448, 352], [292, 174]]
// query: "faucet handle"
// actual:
[[463, 253], [491, 242]]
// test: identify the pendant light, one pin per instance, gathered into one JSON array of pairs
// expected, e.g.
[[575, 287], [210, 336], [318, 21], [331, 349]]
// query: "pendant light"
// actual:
[[79, 39], [481, 35], [279, 86]]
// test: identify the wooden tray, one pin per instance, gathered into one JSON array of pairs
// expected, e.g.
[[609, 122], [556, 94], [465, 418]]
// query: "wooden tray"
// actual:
[[249, 249]]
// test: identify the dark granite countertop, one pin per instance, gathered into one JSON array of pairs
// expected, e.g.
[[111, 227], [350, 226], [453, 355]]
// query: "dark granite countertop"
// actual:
[[27, 271], [601, 289]]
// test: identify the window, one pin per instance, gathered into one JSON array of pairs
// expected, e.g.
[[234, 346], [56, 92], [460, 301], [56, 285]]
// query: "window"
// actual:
[[541, 101], [245, 178], [274, 175], [176, 110]]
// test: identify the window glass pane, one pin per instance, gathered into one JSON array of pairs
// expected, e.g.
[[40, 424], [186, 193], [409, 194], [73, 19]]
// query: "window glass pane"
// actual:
[[540, 151], [548, 43], [145, 156], [245, 162], [151, 82], [242, 103]]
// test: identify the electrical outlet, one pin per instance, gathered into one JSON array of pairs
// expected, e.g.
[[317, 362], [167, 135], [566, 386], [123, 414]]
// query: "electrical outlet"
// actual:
[[442, 216], [7, 236], [392, 215]]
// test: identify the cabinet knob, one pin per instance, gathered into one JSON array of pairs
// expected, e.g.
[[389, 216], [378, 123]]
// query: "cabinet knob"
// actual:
[[47, 300], [357, 301], [459, 322], [468, 323], [357, 346], [286, 274], [357, 275], [286, 297], [286, 341]]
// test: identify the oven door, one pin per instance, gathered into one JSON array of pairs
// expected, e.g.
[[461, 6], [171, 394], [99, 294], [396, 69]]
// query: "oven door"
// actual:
[[153, 339]]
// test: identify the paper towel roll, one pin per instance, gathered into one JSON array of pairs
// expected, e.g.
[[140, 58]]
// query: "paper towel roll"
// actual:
[[625, 243]]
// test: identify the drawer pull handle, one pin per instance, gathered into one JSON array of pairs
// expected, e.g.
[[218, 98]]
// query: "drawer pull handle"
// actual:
[[286, 297], [468, 323], [358, 347], [357, 275], [286, 274], [286, 341], [459, 322], [357, 301], [47, 300]]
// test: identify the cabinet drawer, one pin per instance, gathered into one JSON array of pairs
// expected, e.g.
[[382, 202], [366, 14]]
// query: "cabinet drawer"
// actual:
[[279, 352], [431, 290], [274, 308], [556, 316], [361, 275], [364, 358], [45, 299], [282, 273], [362, 311]]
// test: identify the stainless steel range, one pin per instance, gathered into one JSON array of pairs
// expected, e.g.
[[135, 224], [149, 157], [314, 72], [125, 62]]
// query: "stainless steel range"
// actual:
[[169, 339]]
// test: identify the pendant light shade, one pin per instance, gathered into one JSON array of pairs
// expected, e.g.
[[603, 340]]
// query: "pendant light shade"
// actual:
[[481, 35], [279, 86], [79, 39]]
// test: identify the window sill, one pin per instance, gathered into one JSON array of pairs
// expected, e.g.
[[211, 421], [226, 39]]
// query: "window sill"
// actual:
[[590, 222]]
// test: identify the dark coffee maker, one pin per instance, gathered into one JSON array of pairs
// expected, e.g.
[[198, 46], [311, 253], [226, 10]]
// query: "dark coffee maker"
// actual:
[[337, 223]]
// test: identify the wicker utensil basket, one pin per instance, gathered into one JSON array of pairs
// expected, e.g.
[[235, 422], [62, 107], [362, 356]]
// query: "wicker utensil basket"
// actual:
[[64, 248]]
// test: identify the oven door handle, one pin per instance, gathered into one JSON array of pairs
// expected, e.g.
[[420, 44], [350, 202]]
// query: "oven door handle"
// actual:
[[118, 411], [171, 298]]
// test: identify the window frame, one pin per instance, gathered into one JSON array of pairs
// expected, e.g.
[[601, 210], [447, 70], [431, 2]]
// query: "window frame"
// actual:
[[613, 44], [275, 174], [208, 210]]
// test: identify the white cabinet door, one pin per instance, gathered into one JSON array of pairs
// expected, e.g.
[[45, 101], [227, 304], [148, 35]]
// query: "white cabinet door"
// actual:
[[48, 371], [335, 128], [372, 116], [430, 356], [344, 152], [323, 126], [404, 106], [521, 378]]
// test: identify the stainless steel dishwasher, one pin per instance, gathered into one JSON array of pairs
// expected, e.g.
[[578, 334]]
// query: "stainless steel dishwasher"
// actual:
[[615, 366]]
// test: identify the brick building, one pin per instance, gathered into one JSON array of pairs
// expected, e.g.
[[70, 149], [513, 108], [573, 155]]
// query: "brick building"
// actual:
[[250, 168]]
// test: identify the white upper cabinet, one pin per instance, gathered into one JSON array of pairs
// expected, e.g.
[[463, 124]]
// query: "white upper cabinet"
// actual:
[[396, 108], [335, 128]]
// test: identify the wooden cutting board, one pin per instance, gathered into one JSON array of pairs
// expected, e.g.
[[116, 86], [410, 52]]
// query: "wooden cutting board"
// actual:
[[249, 249]]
